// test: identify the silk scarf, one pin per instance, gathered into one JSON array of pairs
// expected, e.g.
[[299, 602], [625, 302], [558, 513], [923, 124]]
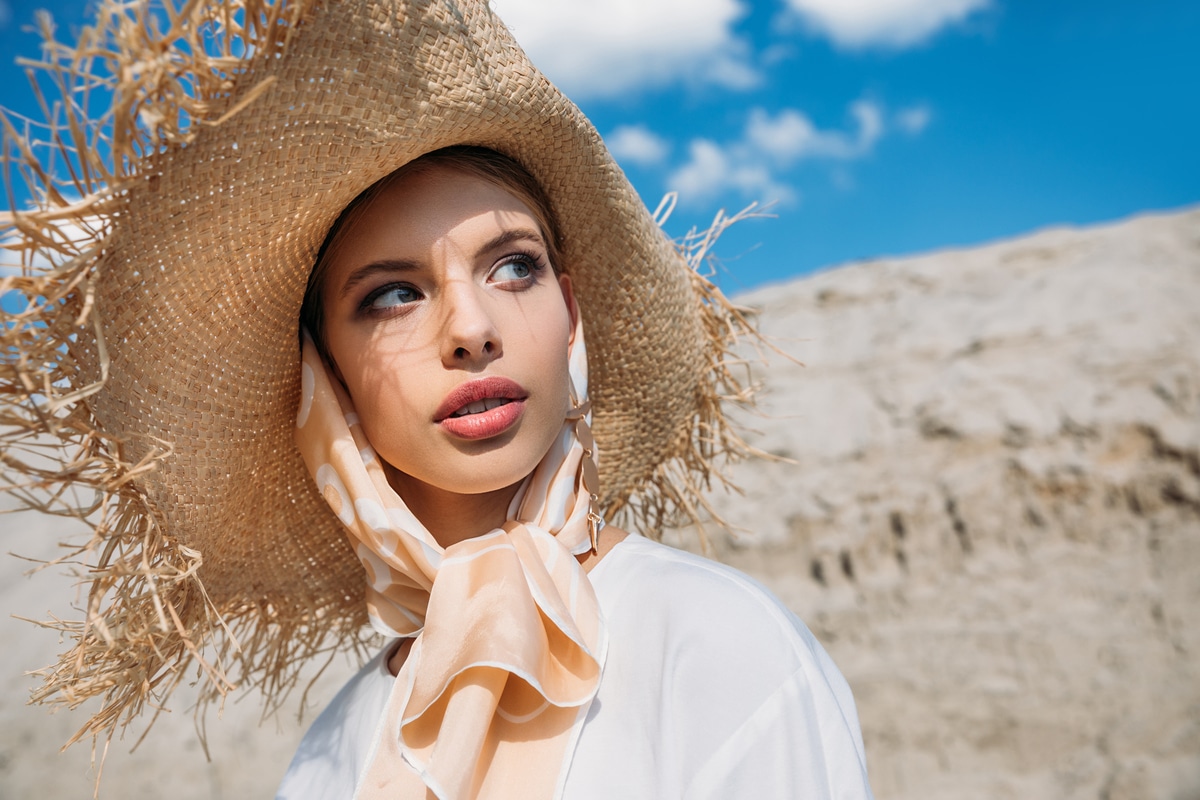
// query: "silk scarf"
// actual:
[[508, 637]]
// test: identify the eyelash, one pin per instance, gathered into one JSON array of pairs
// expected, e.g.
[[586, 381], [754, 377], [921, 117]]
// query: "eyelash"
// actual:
[[534, 261], [365, 307]]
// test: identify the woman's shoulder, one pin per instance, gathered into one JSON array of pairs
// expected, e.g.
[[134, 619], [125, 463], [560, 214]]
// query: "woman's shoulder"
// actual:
[[338, 743], [641, 566], [712, 661], [672, 563], [685, 596]]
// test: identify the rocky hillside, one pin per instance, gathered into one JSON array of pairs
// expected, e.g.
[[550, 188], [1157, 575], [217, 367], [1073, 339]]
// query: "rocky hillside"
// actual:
[[992, 514], [989, 512]]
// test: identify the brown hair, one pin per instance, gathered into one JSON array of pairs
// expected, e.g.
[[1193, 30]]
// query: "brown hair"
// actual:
[[477, 162]]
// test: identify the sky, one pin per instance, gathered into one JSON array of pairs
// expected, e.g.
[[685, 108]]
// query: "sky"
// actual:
[[869, 127]]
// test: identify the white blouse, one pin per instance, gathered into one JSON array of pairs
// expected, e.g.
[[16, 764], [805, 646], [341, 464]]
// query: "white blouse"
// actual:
[[711, 689]]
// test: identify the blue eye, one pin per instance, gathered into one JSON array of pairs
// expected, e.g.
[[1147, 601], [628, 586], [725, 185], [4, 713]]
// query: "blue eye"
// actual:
[[518, 269], [392, 296]]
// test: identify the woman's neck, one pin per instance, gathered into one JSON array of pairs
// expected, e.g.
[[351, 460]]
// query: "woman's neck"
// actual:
[[451, 517]]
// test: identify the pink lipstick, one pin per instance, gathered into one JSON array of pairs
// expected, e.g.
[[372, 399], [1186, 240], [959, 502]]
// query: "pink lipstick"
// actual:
[[481, 409]]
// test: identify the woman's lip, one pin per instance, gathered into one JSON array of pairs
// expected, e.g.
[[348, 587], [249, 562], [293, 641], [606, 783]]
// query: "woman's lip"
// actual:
[[491, 388], [485, 424]]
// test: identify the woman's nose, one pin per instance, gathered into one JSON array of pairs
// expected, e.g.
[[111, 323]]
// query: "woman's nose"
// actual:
[[470, 338]]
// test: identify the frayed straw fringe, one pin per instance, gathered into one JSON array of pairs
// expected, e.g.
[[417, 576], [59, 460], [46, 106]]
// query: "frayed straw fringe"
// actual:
[[149, 625], [676, 494], [168, 72]]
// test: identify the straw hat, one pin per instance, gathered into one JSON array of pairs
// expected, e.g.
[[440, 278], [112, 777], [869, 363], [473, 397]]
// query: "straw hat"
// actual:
[[162, 275]]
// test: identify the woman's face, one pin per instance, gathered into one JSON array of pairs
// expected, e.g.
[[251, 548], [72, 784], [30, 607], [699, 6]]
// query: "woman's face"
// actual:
[[450, 331]]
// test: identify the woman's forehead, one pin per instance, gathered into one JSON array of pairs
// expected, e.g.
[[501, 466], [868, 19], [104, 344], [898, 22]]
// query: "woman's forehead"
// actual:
[[423, 216]]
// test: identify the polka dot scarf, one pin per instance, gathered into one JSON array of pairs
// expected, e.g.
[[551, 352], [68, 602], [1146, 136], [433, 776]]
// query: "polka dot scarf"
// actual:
[[509, 640]]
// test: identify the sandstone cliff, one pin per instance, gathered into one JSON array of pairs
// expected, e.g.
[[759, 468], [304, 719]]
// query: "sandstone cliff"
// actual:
[[993, 515]]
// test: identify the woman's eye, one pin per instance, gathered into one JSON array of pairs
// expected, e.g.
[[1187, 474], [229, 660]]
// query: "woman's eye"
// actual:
[[392, 296], [517, 269]]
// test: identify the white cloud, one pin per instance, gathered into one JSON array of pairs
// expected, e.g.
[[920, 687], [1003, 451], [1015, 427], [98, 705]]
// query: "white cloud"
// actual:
[[637, 144], [777, 53], [791, 136], [771, 144], [712, 170], [913, 120], [731, 70], [74, 237], [605, 47], [856, 24]]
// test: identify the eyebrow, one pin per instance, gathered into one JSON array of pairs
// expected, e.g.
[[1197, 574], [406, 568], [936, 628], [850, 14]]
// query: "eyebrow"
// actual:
[[394, 265], [510, 236]]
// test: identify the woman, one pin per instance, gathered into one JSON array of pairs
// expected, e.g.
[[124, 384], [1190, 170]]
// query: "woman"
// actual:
[[440, 420]]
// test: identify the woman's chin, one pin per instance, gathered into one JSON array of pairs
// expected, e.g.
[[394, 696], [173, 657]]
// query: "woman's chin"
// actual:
[[476, 480]]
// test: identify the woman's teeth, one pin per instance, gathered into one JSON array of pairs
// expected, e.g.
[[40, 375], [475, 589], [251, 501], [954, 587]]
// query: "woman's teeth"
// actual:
[[480, 406]]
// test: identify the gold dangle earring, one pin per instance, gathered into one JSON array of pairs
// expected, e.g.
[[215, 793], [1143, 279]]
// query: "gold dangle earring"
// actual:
[[589, 477]]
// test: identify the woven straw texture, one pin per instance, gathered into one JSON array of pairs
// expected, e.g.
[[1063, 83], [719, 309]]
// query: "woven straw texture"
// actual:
[[154, 356]]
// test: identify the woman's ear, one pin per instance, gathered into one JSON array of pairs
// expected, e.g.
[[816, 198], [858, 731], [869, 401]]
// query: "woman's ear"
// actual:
[[564, 283]]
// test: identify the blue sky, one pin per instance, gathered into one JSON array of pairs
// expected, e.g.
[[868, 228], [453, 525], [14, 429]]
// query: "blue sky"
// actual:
[[879, 127]]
